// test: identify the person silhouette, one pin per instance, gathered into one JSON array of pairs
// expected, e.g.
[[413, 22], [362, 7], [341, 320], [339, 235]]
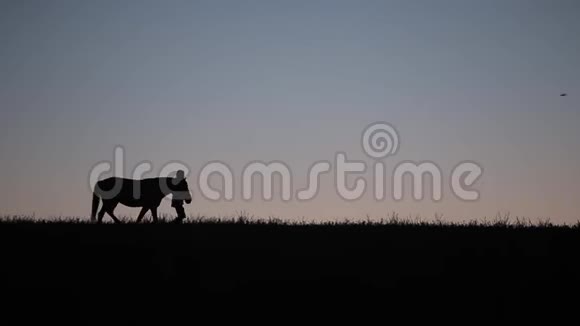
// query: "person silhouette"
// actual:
[[178, 199]]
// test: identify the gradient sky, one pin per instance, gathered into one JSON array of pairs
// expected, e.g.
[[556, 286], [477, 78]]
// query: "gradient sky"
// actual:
[[295, 81]]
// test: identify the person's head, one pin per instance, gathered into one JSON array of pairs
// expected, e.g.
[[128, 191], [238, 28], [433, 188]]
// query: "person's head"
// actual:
[[180, 188]]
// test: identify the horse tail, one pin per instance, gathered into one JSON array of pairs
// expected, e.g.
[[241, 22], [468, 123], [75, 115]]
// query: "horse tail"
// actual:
[[95, 206]]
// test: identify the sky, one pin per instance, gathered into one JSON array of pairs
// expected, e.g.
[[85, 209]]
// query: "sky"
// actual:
[[295, 82]]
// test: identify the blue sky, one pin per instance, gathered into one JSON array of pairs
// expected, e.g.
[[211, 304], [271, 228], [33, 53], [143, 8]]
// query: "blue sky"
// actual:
[[295, 81]]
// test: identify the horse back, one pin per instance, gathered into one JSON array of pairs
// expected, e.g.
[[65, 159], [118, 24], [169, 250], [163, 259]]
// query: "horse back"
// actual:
[[131, 192]]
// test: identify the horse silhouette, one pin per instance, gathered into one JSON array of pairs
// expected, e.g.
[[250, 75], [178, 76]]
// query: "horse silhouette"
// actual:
[[145, 193]]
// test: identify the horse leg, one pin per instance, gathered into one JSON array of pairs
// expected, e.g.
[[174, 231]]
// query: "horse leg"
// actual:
[[112, 215], [100, 215], [142, 214], [110, 208], [154, 213]]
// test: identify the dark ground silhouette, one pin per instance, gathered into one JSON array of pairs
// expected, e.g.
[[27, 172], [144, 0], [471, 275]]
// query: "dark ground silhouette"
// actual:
[[134, 272]]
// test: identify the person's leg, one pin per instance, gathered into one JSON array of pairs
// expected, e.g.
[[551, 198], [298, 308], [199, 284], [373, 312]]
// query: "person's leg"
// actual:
[[180, 213]]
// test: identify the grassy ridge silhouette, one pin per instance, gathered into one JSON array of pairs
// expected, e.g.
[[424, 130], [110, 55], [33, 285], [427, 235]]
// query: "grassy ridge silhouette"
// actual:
[[485, 270], [394, 219]]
